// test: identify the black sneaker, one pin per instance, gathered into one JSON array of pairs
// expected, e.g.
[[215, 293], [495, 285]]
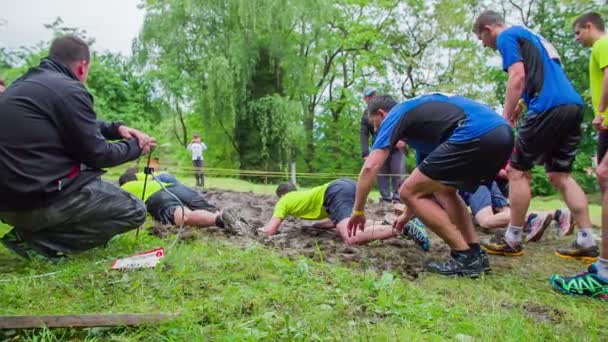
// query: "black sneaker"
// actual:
[[459, 264], [16, 244], [485, 260]]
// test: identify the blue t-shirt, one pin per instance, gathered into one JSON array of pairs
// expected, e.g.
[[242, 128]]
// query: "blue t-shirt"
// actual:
[[427, 121], [547, 85]]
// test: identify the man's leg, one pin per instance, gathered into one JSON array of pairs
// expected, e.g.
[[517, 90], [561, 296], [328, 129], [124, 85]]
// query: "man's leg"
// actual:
[[417, 193], [384, 181], [487, 219], [195, 218], [372, 232], [602, 176], [458, 213], [83, 220], [397, 169], [573, 195], [466, 258]]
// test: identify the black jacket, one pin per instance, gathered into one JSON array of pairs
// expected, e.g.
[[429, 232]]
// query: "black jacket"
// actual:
[[51, 142], [365, 131]]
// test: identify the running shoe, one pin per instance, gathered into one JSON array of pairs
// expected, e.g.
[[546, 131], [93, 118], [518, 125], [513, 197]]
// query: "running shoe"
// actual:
[[537, 223], [565, 222], [574, 251], [17, 245], [497, 245], [414, 230], [458, 264], [583, 284]]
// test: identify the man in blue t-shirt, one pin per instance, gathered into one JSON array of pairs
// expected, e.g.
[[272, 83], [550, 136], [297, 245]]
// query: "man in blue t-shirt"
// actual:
[[550, 133], [464, 143]]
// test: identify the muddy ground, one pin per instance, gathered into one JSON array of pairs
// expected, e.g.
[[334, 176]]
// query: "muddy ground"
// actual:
[[298, 238]]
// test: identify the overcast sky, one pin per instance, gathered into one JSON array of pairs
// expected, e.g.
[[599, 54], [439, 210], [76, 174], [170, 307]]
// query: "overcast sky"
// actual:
[[113, 23]]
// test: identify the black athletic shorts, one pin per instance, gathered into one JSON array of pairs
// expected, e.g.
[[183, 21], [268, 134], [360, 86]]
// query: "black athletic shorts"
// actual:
[[339, 199], [550, 138], [602, 146], [162, 205], [466, 165]]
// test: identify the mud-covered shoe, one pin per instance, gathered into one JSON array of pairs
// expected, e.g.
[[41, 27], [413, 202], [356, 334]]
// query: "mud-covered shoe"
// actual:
[[17, 245], [565, 221], [485, 260], [497, 245], [458, 264], [583, 284], [537, 223], [575, 251], [14, 243], [234, 224], [414, 230]]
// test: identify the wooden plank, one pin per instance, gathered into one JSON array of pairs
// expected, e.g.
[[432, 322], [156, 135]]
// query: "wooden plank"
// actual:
[[81, 321]]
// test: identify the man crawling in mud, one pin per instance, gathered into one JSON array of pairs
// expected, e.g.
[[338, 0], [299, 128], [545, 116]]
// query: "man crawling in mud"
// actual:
[[177, 204], [332, 203]]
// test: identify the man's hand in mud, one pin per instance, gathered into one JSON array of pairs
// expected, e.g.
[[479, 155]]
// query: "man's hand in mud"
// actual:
[[355, 222], [267, 231]]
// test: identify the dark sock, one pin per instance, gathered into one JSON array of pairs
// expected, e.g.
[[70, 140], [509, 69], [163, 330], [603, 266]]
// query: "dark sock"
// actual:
[[219, 222], [467, 253], [475, 247]]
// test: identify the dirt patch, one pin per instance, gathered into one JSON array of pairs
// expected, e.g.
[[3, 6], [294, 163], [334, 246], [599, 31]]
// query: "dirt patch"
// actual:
[[543, 313], [298, 238]]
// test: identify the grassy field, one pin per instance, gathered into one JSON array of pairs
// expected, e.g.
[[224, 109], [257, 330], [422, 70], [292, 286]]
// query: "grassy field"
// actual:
[[223, 292]]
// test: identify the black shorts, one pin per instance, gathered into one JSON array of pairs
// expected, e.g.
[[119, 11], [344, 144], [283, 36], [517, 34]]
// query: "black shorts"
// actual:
[[550, 138], [602, 146], [339, 199], [162, 205], [466, 165]]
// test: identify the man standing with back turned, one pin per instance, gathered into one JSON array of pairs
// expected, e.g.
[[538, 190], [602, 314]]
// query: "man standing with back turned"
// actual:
[[52, 149], [550, 133]]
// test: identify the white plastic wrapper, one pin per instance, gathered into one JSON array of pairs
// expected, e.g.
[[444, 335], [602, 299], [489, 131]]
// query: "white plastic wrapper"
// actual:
[[147, 259]]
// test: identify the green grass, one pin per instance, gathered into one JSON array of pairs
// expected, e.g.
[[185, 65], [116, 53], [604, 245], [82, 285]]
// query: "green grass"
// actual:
[[223, 292]]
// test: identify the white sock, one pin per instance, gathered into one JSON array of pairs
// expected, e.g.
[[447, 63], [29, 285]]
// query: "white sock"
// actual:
[[602, 268], [584, 237], [513, 235]]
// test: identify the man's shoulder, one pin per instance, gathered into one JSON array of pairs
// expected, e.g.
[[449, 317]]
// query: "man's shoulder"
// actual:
[[601, 45], [56, 82]]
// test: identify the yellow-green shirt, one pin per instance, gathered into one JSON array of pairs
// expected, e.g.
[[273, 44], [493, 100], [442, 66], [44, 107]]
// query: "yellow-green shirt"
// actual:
[[306, 204], [597, 63], [137, 188]]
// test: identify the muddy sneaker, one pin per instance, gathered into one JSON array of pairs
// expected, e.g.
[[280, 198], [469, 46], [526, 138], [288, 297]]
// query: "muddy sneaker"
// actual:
[[537, 223], [485, 260], [583, 284], [13, 242], [458, 264], [497, 245], [574, 251], [565, 222], [234, 224], [414, 230]]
